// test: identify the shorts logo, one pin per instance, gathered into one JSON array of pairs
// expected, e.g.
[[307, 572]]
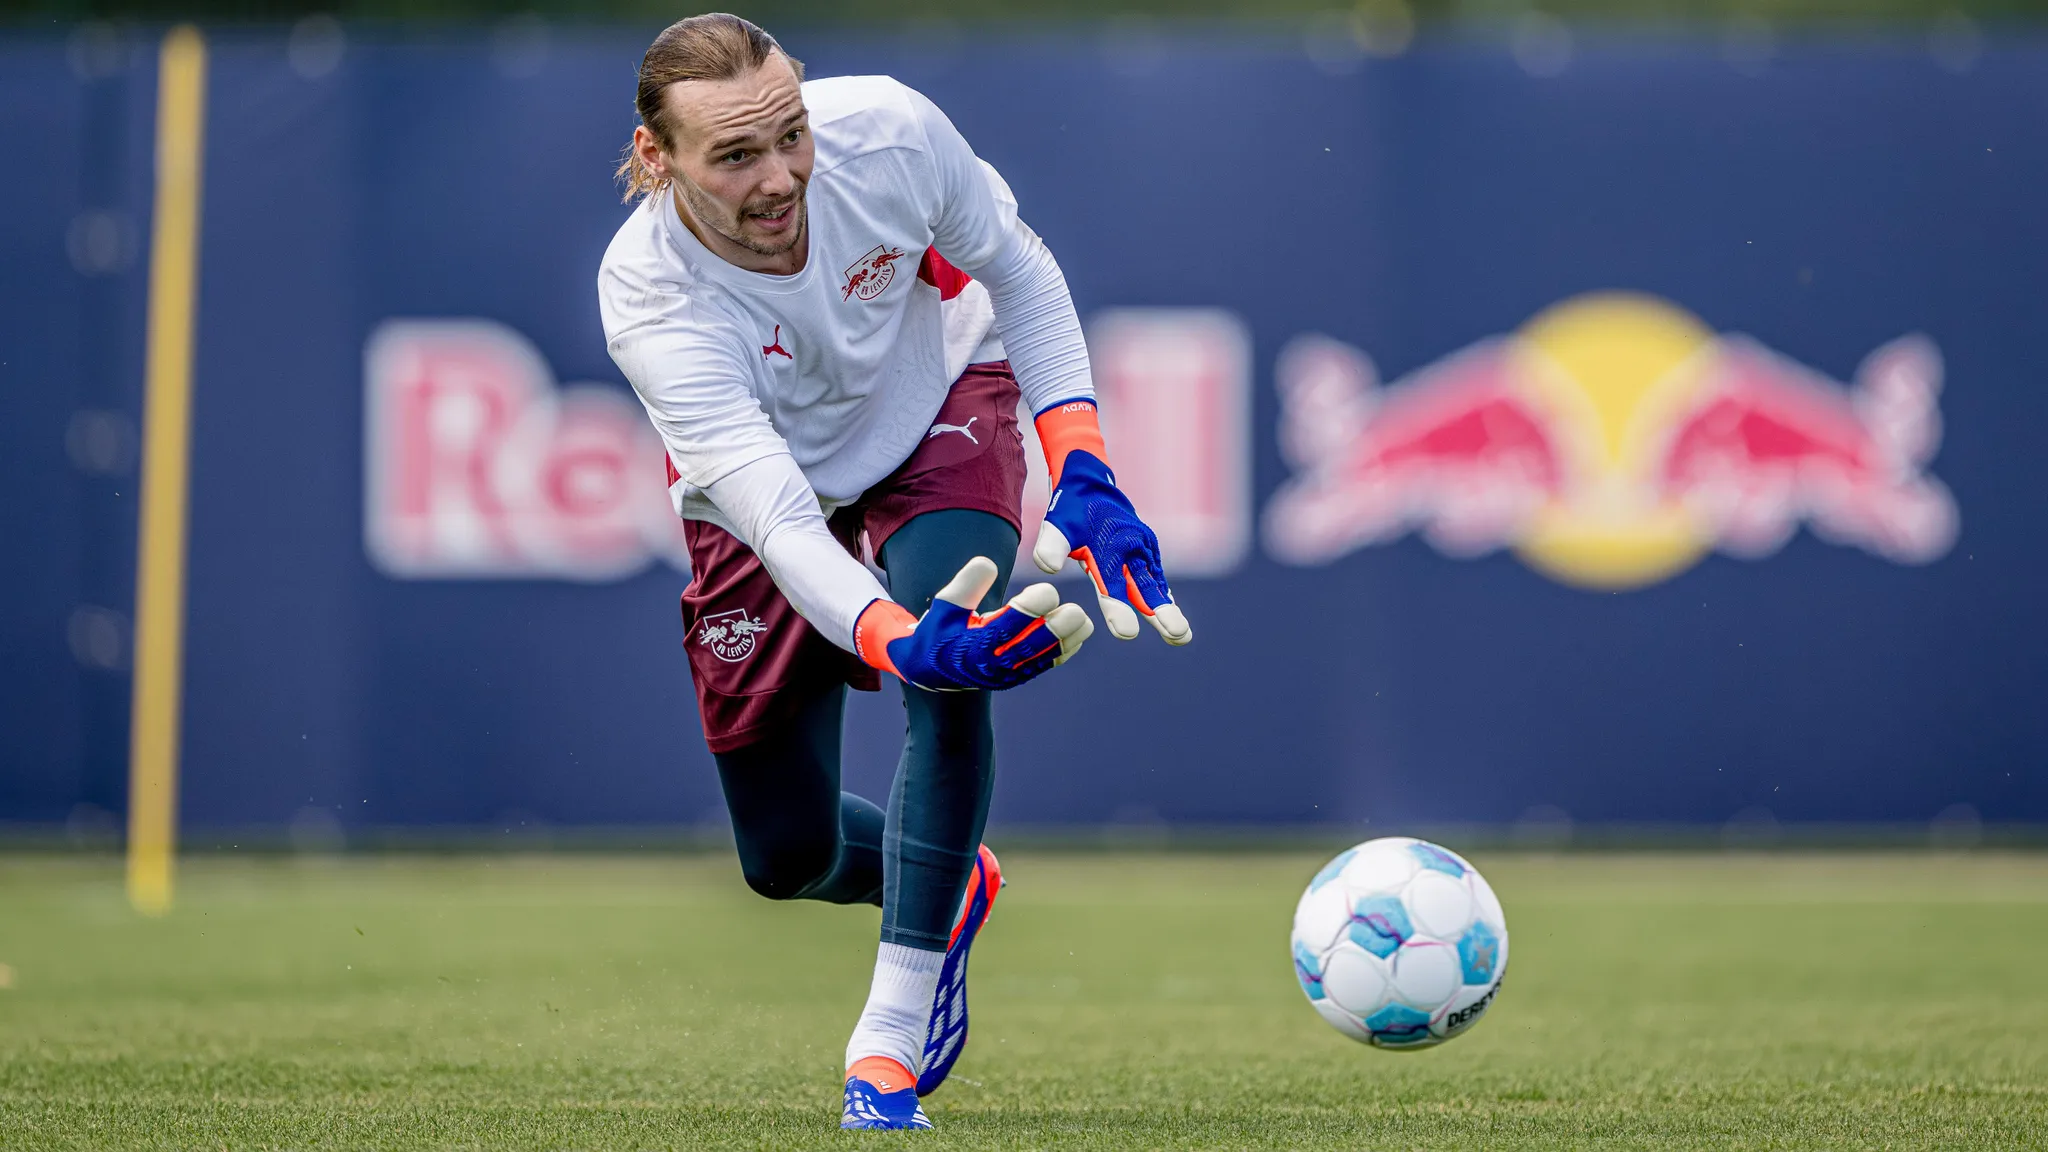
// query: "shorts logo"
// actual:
[[869, 275], [729, 635], [966, 430]]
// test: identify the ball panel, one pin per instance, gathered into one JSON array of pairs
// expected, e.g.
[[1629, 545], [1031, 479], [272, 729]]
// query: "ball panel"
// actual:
[[1490, 914], [1308, 971], [1426, 976], [1322, 916], [1430, 856], [1379, 924], [1399, 1026], [1379, 866], [1343, 1021], [1487, 905], [1355, 980], [1441, 905], [1331, 869], [1479, 954]]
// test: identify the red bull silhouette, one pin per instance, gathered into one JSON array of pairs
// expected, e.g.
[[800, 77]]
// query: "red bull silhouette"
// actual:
[[1612, 442], [1773, 444]]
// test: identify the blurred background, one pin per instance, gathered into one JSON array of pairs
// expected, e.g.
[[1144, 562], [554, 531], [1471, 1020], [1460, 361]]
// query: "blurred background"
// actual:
[[1567, 423]]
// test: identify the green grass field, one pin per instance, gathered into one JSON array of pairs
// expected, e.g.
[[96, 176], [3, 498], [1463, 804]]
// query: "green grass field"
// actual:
[[1767, 1001]]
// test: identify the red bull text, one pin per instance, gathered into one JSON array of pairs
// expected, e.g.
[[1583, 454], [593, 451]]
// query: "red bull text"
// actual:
[[477, 465]]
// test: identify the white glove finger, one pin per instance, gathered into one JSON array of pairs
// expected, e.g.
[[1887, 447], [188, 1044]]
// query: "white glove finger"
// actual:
[[1050, 552], [1121, 618], [1036, 600], [1172, 624], [972, 582], [1072, 626]]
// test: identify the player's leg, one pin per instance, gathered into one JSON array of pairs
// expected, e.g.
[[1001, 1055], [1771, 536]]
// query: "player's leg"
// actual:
[[938, 807], [800, 837], [957, 497], [771, 692], [938, 804]]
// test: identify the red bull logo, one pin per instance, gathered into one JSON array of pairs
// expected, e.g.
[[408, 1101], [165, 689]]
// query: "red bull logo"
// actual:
[[479, 466], [1612, 442]]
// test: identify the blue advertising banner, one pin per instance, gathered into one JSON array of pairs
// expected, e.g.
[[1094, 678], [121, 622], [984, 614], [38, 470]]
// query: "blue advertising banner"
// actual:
[[1624, 435]]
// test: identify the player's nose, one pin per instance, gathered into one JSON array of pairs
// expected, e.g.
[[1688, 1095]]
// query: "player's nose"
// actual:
[[777, 179]]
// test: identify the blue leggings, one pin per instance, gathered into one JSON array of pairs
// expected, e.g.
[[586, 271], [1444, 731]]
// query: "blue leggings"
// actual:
[[801, 838]]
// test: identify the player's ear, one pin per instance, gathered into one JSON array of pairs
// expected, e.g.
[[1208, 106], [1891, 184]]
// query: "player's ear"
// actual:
[[648, 147]]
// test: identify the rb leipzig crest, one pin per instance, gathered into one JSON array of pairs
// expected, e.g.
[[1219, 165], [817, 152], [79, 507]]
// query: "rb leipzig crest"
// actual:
[[1612, 442], [730, 635], [869, 275]]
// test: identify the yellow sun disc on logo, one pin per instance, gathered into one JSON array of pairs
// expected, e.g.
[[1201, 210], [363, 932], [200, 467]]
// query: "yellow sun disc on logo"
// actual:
[[1616, 371]]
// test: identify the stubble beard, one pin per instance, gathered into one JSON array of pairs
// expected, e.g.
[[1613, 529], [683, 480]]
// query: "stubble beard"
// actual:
[[713, 216]]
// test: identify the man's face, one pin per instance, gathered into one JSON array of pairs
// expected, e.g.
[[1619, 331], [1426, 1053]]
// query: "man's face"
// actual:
[[742, 157]]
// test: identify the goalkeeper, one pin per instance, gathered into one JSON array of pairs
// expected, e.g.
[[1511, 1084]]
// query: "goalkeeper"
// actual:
[[830, 310]]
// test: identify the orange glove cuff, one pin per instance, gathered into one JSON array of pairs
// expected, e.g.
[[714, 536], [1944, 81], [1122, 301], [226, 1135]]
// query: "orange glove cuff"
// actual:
[[879, 623], [1069, 427]]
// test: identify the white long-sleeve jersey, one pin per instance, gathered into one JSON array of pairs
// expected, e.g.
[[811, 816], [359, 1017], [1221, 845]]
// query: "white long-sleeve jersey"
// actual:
[[780, 398]]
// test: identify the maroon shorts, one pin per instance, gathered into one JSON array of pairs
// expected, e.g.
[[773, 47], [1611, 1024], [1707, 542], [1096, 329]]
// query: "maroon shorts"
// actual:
[[753, 658]]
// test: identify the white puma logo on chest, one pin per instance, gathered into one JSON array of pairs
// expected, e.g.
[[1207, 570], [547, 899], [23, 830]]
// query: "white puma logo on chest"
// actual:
[[962, 429]]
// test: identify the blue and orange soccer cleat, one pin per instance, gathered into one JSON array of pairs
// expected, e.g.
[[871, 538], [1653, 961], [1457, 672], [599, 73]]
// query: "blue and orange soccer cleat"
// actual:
[[879, 1095], [946, 1036]]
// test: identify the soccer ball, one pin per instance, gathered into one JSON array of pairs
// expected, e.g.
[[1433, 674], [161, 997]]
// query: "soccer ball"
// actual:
[[1399, 943]]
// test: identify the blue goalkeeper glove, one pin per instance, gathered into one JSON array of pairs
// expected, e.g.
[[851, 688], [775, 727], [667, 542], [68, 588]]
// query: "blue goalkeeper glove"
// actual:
[[1090, 519], [952, 648]]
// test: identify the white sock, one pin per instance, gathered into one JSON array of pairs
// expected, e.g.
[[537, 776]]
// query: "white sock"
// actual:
[[899, 1007]]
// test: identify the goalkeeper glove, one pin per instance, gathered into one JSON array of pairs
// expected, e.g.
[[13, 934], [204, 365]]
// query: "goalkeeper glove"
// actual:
[[1089, 519], [952, 648]]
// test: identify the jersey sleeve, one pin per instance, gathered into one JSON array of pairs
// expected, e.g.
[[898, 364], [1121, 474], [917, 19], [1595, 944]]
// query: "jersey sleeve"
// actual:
[[684, 364], [975, 226]]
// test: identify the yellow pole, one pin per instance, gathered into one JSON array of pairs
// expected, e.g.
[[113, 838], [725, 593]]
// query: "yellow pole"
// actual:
[[166, 439]]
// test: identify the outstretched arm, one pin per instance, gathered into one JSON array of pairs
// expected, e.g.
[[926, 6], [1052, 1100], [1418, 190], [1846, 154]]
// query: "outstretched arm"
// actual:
[[1089, 517]]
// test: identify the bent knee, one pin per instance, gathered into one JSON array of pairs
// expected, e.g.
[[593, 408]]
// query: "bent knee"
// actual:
[[786, 875]]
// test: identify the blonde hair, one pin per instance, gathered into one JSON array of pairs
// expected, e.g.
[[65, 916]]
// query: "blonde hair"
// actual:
[[714, 46]]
